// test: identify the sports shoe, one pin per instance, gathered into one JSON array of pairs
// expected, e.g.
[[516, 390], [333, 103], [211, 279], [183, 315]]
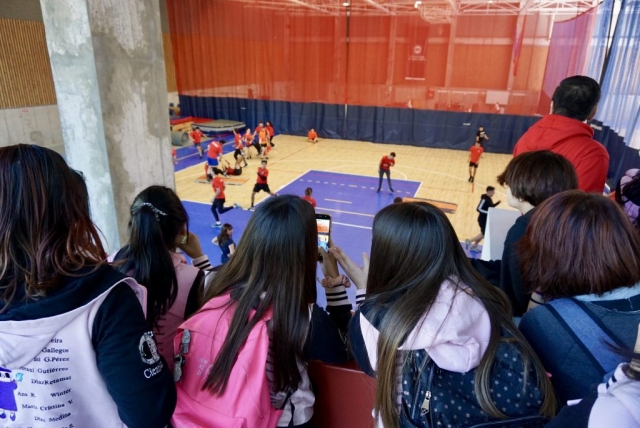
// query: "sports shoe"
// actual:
[[467, 243], [378, 191], [391, 190], [237, 206], [475, 249], [246, 164], [251, 208], [218, 224]]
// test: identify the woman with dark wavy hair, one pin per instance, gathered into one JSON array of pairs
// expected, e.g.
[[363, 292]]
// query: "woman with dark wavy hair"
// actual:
[[421, 294], [74, 342]]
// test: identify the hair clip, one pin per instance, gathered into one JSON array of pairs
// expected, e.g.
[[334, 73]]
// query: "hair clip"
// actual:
[[156, 212]]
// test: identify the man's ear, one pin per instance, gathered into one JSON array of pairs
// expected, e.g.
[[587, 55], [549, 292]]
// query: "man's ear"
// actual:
[[551, 108]]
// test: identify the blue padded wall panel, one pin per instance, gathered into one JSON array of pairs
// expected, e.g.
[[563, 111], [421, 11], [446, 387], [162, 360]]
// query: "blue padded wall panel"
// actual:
[[423, 128]]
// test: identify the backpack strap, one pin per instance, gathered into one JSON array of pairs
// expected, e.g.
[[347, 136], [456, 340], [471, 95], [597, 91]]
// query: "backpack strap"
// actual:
[[588, 331]]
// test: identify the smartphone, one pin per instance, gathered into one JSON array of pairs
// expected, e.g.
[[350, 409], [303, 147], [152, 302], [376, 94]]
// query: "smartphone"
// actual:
[[323, 221]]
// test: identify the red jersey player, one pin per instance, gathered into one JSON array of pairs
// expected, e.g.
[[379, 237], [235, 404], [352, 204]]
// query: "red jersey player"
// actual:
[[261, 183], [196, 136], [217, 207], [385, 169], [307, 196], [238, 146], [474, 159]]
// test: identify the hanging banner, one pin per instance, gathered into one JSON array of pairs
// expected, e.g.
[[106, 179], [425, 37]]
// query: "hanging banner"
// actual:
[[417, 61]]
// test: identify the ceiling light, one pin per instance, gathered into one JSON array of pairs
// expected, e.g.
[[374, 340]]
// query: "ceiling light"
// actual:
[[418, 2], [345, 4]]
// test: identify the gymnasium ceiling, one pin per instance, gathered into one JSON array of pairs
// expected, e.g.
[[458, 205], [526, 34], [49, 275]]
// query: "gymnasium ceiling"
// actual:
[[435, 11]]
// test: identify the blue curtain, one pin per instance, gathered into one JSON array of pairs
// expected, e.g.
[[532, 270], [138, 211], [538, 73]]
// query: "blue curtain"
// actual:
[[599, 40], [620, 104]]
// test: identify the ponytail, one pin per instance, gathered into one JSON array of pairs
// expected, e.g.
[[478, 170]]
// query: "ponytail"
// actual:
[[157, 216]]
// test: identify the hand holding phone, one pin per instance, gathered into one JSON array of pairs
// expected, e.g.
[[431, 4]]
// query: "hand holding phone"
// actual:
[[323, 222]]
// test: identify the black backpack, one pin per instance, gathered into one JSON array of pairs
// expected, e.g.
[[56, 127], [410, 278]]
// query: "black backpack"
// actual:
[[433, 397]]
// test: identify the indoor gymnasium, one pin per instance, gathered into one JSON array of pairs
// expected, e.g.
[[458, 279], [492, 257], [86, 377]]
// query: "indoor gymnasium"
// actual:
[[319, 213]]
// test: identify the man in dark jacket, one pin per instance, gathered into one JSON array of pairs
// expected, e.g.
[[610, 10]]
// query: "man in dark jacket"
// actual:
[[483, 209]]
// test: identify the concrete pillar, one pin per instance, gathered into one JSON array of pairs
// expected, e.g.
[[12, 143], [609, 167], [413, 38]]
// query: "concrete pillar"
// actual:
[[108, 68]]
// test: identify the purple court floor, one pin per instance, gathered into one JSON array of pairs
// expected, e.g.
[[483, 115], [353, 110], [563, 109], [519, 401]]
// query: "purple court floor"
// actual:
[[351, 200]]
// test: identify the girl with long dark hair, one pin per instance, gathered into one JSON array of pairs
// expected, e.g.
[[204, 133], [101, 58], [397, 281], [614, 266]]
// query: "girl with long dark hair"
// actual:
[[421, 293], [159, 225], [272, 273], [75, 345], [225, 241]]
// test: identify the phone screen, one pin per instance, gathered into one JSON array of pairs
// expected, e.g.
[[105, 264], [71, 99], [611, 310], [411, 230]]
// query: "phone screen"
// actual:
[[324, 229]]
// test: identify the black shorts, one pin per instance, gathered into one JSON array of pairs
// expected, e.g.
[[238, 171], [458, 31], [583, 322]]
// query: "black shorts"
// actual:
[[482, 221], [236, 153], [473, 165], [258, 187], [197, 144]]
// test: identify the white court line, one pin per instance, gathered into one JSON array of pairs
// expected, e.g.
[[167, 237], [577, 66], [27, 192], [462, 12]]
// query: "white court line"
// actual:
[[353, 185], [352, 225], [336, 200], [345, 212], [292, 181], [359, 163], [403, 174], [188, 156], [415, 195], [429, 171]]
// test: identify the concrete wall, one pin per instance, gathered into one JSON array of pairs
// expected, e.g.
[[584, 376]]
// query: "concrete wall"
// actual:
[[37, 125], [41, 124], [28, 10]]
